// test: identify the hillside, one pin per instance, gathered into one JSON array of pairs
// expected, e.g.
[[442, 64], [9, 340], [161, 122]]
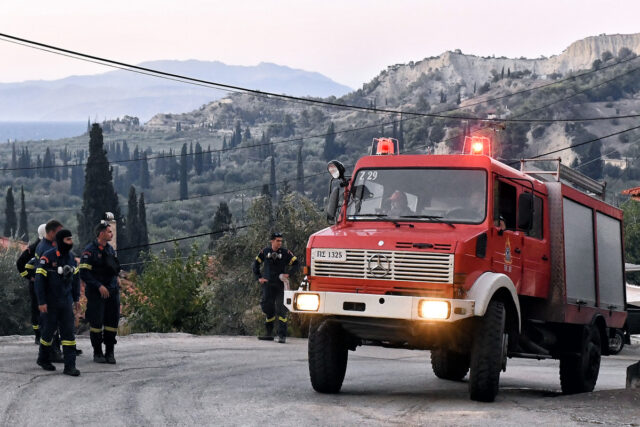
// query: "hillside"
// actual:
[[117, 93], [242, 132]]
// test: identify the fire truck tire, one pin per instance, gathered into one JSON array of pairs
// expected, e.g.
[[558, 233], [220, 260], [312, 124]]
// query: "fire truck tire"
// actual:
[[579, 373], [488, 354], [449, 365], [327, 356]]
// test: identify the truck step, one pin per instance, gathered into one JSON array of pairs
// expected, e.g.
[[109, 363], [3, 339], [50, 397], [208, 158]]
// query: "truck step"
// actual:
[[530, 355]]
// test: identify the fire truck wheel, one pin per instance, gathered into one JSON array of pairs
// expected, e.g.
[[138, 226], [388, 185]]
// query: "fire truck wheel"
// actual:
[[488, 354], [327, 356], [579, 373], [449, 365], [616, 344]]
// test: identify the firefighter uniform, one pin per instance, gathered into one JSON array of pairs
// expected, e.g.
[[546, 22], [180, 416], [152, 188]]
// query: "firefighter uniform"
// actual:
[[99, 266], [27, 268], [275, 263], [57, 285], [44, 246]]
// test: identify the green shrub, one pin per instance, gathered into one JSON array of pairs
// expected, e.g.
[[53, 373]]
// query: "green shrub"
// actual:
[[171, 294], [14, 296]]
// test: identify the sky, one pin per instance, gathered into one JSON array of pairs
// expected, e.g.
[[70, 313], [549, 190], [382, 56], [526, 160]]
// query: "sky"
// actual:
[[349, 41]]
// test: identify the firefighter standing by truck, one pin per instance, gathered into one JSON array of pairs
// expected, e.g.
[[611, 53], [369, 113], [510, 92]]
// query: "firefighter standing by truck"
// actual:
[[58, 289], [276, 260], [99, 268], [47, 243], [27, 268]]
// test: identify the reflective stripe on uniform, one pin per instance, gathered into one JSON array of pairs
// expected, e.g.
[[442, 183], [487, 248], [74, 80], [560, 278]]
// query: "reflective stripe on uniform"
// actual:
[[271, 319], [24, 273], [110, 329], [292, 260], [85, 266], [282, 319], [97, 330], [45, 343], [258, 259], [76, 271], [29, 266], [41, 271], [68, 343], [36, 327]]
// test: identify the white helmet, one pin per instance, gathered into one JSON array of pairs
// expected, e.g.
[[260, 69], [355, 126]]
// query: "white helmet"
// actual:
[[42, 231]]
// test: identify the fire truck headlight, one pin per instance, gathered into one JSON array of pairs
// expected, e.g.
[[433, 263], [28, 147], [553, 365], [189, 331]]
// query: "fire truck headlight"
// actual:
[[307, 302], [434, 309]]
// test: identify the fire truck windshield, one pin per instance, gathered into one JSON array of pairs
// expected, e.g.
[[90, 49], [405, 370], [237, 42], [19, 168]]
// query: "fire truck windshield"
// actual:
[[440, 195]]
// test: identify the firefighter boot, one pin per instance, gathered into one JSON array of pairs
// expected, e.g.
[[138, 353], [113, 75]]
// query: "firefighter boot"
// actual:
[[282, 330], [56, 354], [96, 343], [268, 326], [70, 361], [44, 358], [108, 354]]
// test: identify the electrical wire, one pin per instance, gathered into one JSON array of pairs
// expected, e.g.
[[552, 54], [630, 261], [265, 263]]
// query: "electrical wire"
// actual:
[[218, 85]]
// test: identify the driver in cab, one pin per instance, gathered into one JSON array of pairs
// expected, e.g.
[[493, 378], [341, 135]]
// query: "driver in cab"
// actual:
[[399, 205]]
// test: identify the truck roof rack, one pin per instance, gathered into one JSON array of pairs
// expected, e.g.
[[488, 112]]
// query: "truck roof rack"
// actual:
[[565, 174]]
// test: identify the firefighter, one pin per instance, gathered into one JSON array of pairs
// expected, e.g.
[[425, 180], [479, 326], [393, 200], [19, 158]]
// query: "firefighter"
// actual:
[[47, 243], [99, 268], [27, 268], [57, 288], [276, 260]]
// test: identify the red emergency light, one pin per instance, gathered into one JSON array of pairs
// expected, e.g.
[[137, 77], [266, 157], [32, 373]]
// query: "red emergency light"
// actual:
[[384, 146], [477, 145]]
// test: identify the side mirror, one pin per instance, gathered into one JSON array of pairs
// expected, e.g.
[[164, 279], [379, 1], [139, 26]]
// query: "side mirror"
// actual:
[[525, 211], [332, 204]]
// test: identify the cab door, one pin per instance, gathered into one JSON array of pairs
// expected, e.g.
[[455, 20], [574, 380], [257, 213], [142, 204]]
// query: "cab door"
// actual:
[[536, 263], [506, 241]]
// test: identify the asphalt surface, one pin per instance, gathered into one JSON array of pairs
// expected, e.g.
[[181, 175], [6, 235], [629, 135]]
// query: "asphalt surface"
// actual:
[[179, 379]]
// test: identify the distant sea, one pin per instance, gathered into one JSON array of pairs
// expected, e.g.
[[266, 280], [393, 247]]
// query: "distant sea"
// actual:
[[36, 131]]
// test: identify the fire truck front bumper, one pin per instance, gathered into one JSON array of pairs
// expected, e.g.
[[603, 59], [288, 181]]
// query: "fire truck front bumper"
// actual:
[[379, 306]]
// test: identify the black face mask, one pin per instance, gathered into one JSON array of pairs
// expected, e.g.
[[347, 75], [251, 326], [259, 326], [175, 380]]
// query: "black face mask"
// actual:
[[63, 247]]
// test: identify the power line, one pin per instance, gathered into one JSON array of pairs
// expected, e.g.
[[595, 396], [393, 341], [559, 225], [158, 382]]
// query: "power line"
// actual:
[[193, 236], [217, 85], [199, 196], [440, 114]]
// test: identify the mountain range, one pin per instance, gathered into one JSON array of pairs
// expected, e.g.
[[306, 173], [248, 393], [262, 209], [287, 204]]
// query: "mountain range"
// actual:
[[118, 93]]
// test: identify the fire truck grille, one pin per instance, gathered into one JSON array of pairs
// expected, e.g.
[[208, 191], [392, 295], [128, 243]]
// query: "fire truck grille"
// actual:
[[389, 265]]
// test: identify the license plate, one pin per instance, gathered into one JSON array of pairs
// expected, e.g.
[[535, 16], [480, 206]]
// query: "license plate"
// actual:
[[333, 255]]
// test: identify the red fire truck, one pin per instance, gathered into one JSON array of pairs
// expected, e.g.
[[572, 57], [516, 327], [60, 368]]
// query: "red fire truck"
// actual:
[[467, 257]]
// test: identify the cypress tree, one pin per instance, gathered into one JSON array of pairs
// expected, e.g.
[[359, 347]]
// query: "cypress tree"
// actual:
[[77, 181], [11, 221], [198, 161], [98, 195], [47, 163], [300, 174], [221, 221], [125, 151], [132, 227], [401, 135], [184, 191], [23, 232], [143, 237], [330, 148], [237, 135], [272, 180], [145, 178], [190, 157], [14, 160]]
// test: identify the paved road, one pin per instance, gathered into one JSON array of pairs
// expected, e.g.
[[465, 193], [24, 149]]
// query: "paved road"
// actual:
[[178, 379]]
